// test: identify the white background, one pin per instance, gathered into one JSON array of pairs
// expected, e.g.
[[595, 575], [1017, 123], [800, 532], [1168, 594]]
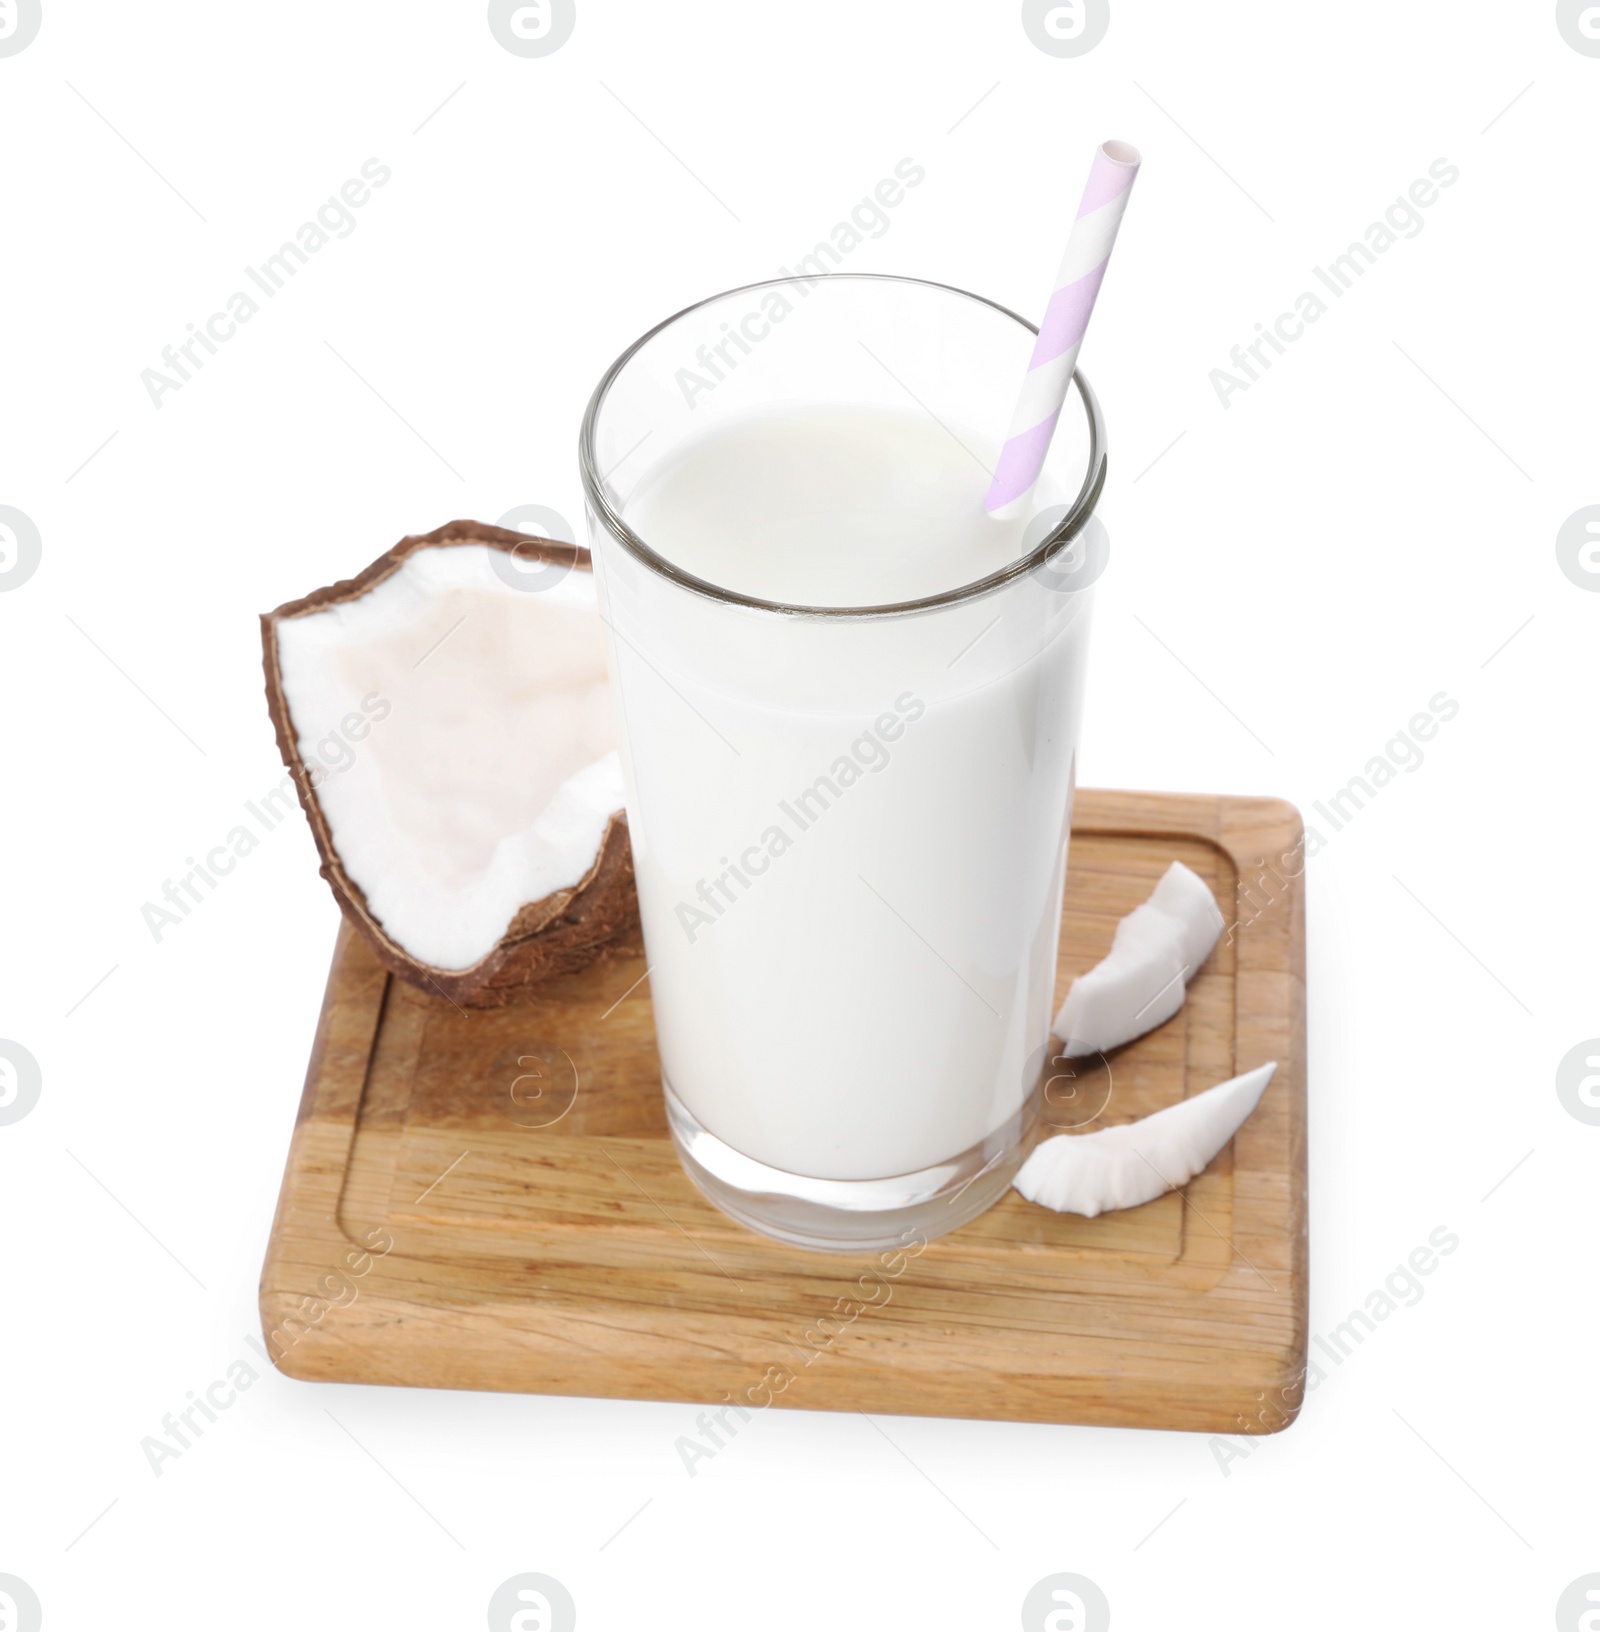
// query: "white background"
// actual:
[[1366, 526]]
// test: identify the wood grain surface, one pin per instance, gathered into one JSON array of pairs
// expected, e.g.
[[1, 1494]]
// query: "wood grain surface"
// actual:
[[490, 1199]]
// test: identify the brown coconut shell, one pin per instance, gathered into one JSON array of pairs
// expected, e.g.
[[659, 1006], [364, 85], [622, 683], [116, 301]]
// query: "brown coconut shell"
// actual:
[[558, 935]]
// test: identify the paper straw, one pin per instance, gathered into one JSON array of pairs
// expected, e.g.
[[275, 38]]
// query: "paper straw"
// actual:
[[1055, 353]]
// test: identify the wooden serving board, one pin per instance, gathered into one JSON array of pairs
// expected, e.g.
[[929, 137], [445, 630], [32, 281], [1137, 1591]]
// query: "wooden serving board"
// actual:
[[490, 1200]]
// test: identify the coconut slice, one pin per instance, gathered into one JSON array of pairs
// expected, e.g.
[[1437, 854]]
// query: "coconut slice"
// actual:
[[1140, 983], [446, 718], [1094, 1173]]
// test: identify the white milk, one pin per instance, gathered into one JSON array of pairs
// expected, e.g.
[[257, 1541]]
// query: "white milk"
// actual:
[[849, 834], [827, 507]]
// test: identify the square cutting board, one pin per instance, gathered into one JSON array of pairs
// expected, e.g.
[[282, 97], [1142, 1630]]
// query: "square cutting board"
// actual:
[[490, 1199]]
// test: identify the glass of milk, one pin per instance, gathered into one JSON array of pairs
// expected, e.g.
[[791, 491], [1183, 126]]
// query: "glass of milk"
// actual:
[[850, 703]]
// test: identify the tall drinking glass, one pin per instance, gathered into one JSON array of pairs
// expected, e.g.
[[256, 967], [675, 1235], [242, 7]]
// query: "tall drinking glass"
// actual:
[[849, 823]]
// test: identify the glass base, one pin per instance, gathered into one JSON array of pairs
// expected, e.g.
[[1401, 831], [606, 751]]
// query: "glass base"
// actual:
[[851, 1215]]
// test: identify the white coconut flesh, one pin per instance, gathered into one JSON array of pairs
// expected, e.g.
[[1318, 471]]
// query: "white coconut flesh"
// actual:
[[489, 780], [1094, 1173], [1154, 954]]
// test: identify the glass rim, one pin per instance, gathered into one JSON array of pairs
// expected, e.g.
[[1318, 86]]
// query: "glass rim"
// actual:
[[1075, 520]]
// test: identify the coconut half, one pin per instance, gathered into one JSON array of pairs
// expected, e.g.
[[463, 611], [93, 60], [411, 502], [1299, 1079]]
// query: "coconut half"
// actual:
[[447, 720]]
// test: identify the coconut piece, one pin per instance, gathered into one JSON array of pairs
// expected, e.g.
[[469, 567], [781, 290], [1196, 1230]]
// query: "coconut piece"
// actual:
[[446, 718], [1140, 983], [1094, 1173]]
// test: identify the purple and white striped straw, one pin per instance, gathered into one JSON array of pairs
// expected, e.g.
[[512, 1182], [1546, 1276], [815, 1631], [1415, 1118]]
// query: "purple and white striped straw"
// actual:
[[1055, 353]]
